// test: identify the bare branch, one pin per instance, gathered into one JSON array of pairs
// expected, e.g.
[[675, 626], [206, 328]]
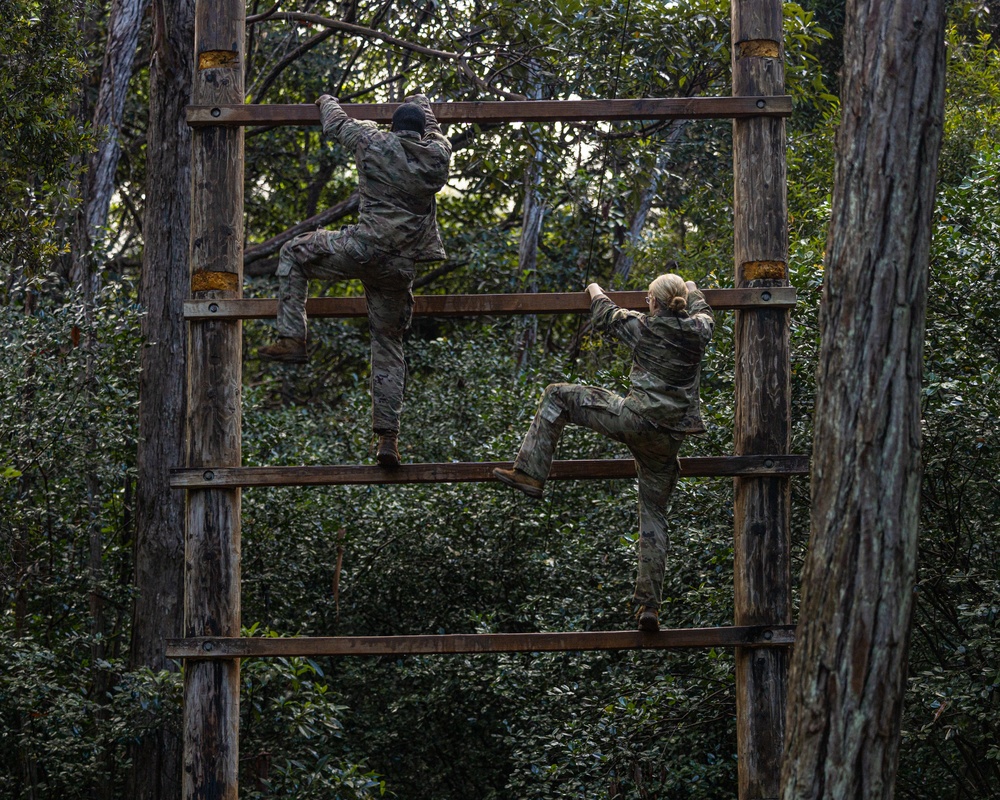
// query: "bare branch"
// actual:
[[358, 30], [370, 33], [278, 68]]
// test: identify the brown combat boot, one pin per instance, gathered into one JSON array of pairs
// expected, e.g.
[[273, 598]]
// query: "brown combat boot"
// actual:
[[520, 480], [649, 620], [387, 453], [287, 349]]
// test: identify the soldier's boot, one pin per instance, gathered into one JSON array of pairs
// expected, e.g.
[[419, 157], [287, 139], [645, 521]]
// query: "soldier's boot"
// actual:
[[648, 619], [288, 349], [387, 453], [521, 481]]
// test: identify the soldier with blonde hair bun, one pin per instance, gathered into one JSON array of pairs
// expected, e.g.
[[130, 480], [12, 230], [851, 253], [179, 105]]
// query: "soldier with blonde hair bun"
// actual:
[[661, 408]]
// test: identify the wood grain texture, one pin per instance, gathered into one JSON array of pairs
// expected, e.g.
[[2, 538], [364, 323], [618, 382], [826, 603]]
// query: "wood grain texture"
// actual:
[[235, 113], [224, 648], [471, 305], [474, 472], [761, 517], [212, 536], [848, 674], [155, 755]]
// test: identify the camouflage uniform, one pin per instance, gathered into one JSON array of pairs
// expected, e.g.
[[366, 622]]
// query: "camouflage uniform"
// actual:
[[398, 175], [652, 420]]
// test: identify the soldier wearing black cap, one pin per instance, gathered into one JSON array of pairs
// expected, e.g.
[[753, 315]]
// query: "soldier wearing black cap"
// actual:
[[399, 173]]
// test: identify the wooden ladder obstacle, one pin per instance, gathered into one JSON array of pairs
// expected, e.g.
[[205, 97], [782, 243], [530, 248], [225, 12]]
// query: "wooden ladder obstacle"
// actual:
[[214, 476]]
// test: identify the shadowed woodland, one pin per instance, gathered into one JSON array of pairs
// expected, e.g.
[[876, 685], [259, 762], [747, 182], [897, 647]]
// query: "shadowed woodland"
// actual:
[[93, 250]]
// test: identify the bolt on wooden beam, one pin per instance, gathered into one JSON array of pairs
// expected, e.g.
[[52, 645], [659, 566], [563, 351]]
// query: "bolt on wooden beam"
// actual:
[[474, 305], [677, 638], [474, 472], [647, 108]]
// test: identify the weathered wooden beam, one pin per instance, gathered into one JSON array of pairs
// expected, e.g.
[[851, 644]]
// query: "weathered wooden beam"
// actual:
[[212, 534], [762, 420], [227, 648], [471, 305], [645, 108], [474, 472]]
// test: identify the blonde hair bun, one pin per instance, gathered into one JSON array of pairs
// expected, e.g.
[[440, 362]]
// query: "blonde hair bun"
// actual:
[[669, 291]]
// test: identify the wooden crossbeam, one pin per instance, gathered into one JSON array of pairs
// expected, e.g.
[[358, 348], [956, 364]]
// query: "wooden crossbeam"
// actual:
[[507, 111], [730, 636], [473, 472], [471, 305]]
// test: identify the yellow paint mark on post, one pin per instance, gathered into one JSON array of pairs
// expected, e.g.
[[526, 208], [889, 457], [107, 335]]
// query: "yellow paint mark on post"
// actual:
[[764, 270], [759, 48], [205, 281], [211, 59]]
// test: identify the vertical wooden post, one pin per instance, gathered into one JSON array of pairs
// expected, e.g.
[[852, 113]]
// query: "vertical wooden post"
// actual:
[[763, 397], [212, 548]]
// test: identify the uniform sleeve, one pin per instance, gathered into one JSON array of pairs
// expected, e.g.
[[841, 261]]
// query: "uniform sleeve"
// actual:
[[432, 129], [699, 311], [345, 130], [622, 324]]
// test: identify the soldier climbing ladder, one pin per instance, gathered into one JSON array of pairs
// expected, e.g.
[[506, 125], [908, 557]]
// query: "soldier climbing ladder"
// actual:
[[214, 476]]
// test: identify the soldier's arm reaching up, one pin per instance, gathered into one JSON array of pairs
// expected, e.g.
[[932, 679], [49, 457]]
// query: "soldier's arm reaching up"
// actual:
[[336, 123]]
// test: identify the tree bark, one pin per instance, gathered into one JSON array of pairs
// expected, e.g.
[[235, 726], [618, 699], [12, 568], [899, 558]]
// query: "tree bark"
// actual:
[[849, 666], [527, 251], [159, 547], [124, 23]]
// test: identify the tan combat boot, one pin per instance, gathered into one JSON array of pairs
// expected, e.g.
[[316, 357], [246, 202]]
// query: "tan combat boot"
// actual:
[[522, 481], [387, 453], [649, 619], [287, 349]]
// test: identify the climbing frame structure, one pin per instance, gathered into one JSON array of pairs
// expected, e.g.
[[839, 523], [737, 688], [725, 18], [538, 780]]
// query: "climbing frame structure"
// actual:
[[214, 477]]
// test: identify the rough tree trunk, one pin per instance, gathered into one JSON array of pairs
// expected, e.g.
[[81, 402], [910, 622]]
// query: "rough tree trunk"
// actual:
[[125, 21], [625, 256], [159, 548], [527, 253], [849, 666]]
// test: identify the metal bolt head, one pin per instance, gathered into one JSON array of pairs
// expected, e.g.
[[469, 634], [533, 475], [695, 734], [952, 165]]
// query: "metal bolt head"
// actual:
[[769, 635], [761, 104], [216, 112], [765, 296], [208, 475], [769, 462], [213, 307], [208, 647]]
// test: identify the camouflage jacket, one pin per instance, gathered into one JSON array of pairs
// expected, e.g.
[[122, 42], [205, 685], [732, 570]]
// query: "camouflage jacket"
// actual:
[[667, 349], [398, 176]]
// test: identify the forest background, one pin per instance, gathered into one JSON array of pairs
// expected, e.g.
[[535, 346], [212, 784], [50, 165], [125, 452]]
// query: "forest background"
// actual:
[[529, 208]]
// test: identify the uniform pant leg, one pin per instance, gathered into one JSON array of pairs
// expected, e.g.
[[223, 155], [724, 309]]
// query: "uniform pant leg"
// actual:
[[658, 469], [326, 255], [390, 309], [588, 406]]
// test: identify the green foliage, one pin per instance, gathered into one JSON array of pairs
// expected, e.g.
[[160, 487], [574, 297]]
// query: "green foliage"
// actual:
[[291, 734], [370, 560], [41, 138], [952, 726]]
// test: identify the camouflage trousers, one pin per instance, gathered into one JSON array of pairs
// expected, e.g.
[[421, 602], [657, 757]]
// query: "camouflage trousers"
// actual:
[[387, 279], [654, 450]]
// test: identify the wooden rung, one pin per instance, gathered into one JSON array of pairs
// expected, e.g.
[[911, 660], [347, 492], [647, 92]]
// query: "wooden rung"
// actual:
[[474, 472], [647, 108], [731, 636], [471, 305]]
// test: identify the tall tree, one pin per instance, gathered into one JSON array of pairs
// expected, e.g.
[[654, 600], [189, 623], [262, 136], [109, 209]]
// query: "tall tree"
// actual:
[[159, 555], [124, 23], [849, 667]]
